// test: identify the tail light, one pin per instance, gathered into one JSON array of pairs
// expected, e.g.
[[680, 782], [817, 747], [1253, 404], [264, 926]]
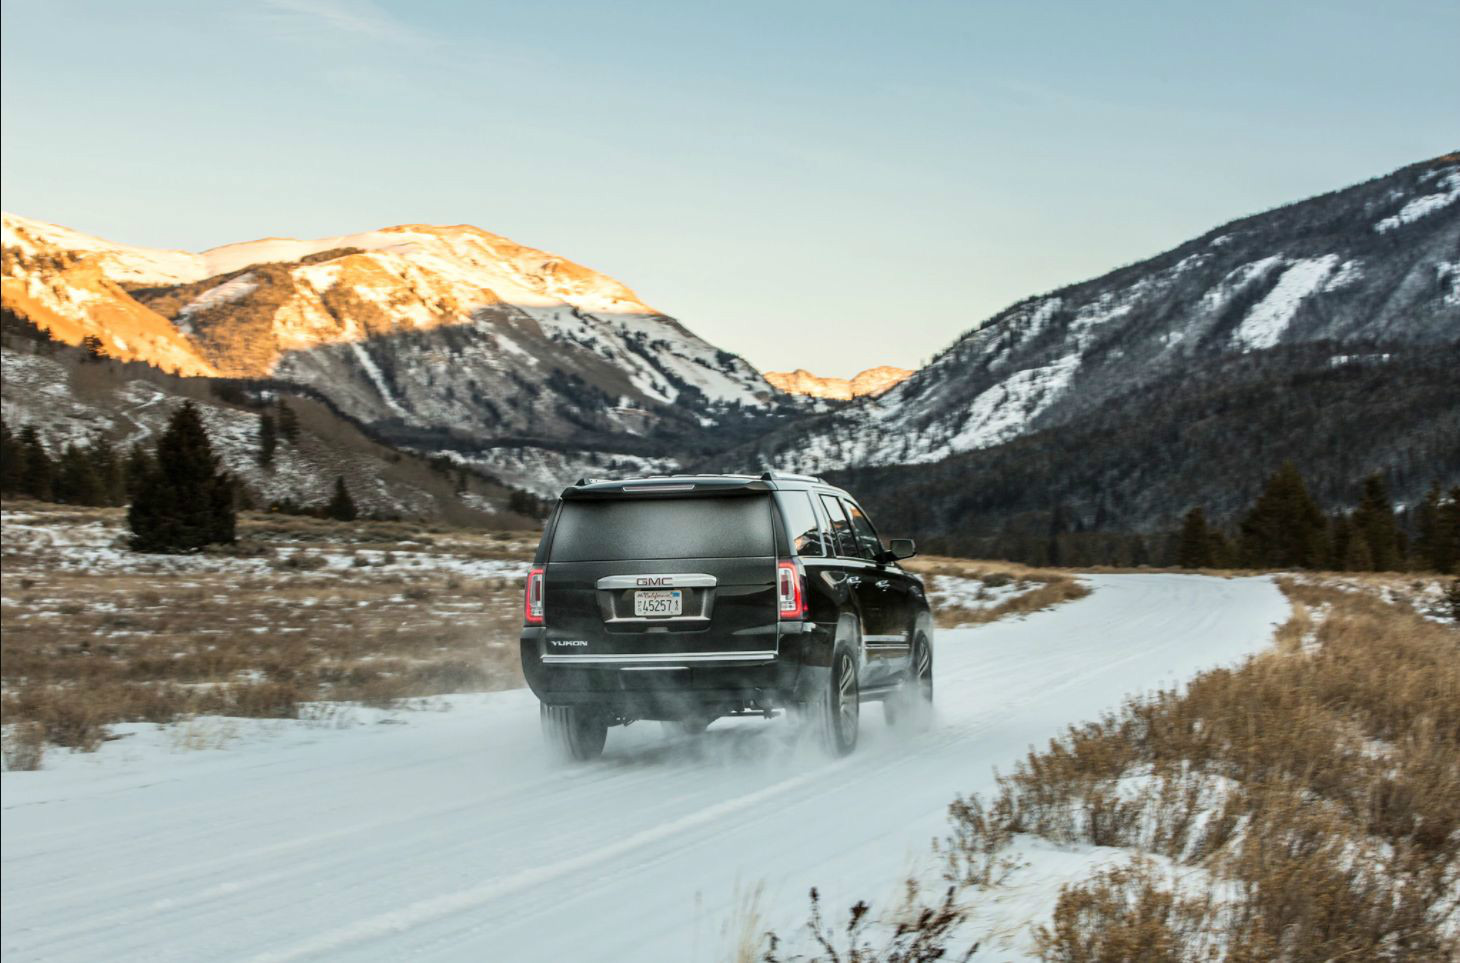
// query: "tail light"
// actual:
[[790, 594], [532, 597]]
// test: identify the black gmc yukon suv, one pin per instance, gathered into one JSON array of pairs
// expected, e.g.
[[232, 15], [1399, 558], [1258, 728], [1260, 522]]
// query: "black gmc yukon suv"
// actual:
[[685, 598]]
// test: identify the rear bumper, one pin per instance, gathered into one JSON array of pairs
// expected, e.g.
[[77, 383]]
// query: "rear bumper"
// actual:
[[674, 685]]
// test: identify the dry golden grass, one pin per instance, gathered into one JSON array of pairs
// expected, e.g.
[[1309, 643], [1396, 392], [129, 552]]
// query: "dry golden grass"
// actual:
[[300, 610], [1322, 780], [1038, 588]]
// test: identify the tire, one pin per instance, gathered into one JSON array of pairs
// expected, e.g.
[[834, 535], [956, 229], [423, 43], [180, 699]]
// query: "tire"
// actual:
[[573, 733], [835, 718], [910, 708]]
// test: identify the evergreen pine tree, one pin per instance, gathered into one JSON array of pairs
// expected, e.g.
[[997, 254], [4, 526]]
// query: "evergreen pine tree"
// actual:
[[185, 501], [268, 439], [1427, 523], [1285, 528], [109, 471], [1374, 523], [341, 506], [37, 473], [1340, 533], [1195, 547], [11, 456], [76, 481], [1447, 552], [136, 468], [1223, 555], [288, 422], [1357, 557]]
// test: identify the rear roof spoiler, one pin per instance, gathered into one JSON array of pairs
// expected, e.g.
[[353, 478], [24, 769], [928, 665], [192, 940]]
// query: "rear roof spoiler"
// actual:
[[669, 486]]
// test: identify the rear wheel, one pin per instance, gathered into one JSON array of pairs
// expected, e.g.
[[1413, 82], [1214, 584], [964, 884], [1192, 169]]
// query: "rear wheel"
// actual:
[[910, 708], [836, 716], [573, 732]]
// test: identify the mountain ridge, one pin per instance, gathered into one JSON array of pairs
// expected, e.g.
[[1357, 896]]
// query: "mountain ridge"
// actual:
[[871, 381], [445, 338], [1374, 261]]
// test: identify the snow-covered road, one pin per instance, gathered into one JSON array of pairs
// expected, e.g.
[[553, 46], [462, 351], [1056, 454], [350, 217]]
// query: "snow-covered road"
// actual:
[[449, 837]]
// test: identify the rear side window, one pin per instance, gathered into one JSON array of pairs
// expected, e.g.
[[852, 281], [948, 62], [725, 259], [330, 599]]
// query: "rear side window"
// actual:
[[841, 528], [803, 526], [623, 529], [867, 540]]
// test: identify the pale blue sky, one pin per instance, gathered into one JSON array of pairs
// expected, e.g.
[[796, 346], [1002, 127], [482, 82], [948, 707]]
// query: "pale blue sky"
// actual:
[[829, 185]]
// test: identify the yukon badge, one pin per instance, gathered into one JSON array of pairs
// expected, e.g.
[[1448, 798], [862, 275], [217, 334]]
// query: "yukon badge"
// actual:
[[573, 642]]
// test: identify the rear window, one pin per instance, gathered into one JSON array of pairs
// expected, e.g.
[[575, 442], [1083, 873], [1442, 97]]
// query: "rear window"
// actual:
[[802, 525], [619, 529]]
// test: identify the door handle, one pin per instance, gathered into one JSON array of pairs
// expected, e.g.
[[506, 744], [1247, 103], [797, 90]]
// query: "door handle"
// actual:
[[854, 580], [883, 583]]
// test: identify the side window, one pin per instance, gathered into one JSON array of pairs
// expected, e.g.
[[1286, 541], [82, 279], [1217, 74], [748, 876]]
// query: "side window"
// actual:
[[841, 527], [867, 541], [803, 526]]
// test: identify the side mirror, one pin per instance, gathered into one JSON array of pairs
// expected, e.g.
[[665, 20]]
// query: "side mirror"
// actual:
[[899, 548]]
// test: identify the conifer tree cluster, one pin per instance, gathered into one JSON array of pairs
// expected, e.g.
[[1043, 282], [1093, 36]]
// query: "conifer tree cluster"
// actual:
[[90, 474], [268, 439], [1285, 528], [185, 501], [341, 506]]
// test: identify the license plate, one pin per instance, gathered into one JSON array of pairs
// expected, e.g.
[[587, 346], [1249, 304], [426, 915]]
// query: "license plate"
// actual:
[[650, 604]]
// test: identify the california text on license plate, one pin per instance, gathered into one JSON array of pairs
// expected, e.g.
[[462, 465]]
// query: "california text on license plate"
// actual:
[[658, 603]]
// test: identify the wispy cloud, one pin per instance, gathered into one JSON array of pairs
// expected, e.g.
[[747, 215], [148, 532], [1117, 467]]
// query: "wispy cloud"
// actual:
[[330, 21]]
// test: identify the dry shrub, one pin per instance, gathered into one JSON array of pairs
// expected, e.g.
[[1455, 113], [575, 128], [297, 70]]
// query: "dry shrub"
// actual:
[[920, 935], [85, 647], [70, 718], [1323, 783], [260, 700], [23, 746], [1124, 914], [299, 561], [974, 852], [1051, 588]]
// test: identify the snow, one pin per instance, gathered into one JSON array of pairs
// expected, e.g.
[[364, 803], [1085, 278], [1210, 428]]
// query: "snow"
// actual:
[[1423, 205], [98, 548], [446, 835], [1350, 272], [1002, 412], [1449, 271], [376, 378], [225, 293], [1265, 322], [1237, 280]]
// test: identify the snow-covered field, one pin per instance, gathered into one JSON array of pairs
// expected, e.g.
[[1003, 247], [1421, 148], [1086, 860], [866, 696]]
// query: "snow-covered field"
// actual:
[[448, 836]]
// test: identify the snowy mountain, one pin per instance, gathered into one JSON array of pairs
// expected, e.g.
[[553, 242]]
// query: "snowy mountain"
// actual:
[[449, 338], [1376, 262], [873, 381]]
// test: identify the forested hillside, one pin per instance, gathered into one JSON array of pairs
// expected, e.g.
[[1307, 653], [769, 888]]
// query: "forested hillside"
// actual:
[[1112, 485]]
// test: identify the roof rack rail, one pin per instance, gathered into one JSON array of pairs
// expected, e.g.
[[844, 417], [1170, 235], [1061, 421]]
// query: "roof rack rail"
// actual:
[[586, 481], [774, 475]]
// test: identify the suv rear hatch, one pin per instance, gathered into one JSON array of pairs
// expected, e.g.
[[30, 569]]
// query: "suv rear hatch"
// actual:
[[663, 577]]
